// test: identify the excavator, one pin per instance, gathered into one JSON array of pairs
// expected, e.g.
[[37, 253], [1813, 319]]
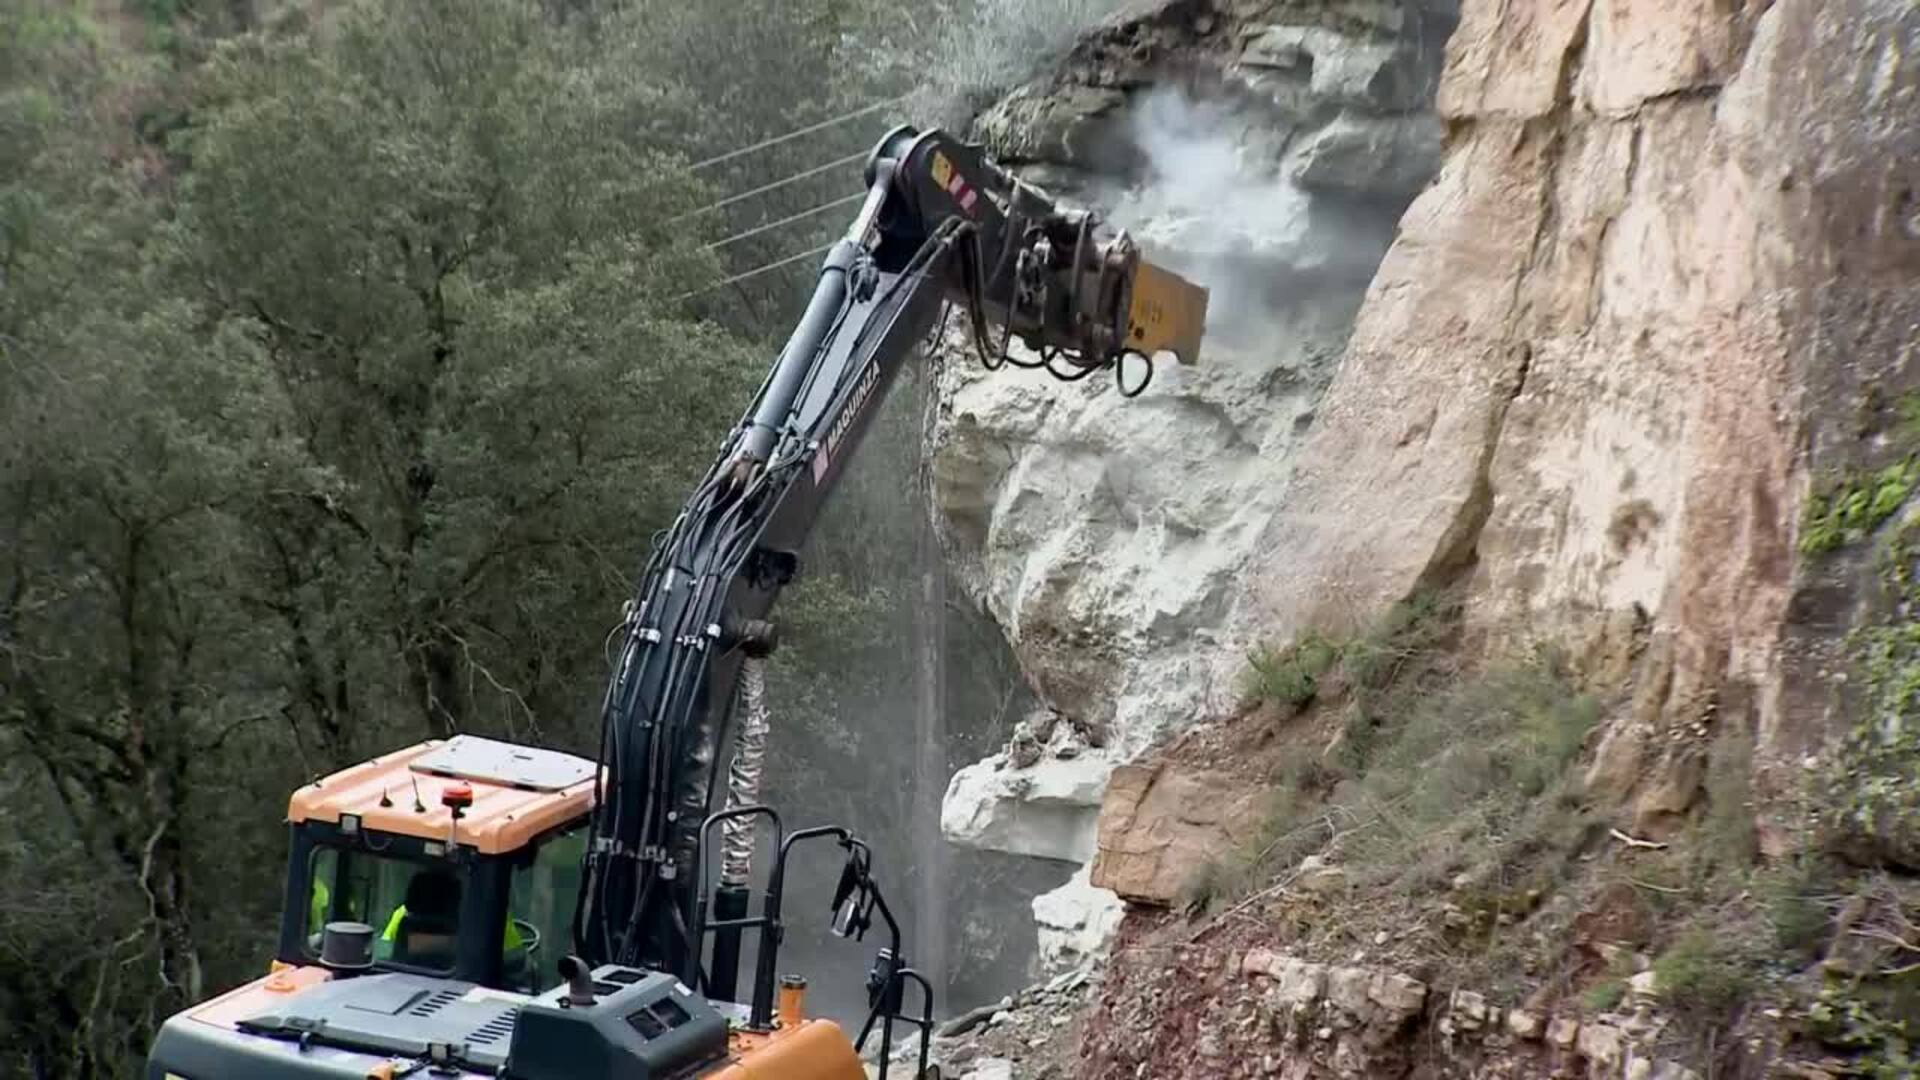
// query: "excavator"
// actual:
[[429, 892]]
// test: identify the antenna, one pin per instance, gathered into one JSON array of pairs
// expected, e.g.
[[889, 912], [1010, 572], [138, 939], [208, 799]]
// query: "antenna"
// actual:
[[418, 806]]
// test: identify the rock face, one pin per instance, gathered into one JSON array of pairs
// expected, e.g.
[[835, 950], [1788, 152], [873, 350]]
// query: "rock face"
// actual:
[[1659, 284], [1669, 250], [1267, 150]]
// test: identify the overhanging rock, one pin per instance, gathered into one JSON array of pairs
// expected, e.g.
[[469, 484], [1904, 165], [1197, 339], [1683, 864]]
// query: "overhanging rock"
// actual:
[[1047, 810]]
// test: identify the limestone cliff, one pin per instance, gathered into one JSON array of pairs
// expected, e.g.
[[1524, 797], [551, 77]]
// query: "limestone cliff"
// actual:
[[1635, 313], [1614, 377]]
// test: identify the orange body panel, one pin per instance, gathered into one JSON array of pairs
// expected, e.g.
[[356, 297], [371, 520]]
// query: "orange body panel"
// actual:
[[257, 996], [502, 819], [816, 1050]]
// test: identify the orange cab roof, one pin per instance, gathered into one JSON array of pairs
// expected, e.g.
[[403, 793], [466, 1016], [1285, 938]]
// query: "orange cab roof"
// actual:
[[519, 792]]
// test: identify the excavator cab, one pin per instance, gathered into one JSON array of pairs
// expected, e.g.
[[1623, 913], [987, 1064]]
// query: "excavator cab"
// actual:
[[460, 858], [452, 863], [430, 898]]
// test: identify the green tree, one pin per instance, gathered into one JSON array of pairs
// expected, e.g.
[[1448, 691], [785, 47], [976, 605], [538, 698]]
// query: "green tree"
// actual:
[[446, 233], [351, 432]]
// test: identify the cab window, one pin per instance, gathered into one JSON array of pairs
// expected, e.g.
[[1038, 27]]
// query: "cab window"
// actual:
[[413, 907], [540, 909]]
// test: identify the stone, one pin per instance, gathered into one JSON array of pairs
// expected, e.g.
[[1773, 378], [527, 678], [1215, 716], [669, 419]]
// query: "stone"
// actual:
[[1068, 981], [1347, 989], [992, 1068], [1468, 1010], [1116, 617], [1074, 922], [1639, 1069], [1160, 824], [1399, 997], [1340, 69], [1023, 746], [1315, 876], [1069, 124], [1645, 985], [1208, 1045], [1391, 155], [1297, 982], [1048, 811], [1601, 1043], [969, 1020], [1262, 962], [1562, 1031], [1668, 789], [1522, 1024]]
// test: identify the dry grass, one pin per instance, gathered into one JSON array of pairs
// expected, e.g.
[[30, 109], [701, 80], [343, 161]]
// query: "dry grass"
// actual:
[[1435, 773]]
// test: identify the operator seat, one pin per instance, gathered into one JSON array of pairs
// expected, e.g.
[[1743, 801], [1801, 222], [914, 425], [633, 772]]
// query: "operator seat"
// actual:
[[431, 923]]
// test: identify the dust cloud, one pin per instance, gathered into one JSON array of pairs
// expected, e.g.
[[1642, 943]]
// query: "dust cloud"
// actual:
[[1210, 197]]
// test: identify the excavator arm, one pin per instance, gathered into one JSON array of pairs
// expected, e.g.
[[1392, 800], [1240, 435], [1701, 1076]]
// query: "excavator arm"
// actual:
[[941, 225]]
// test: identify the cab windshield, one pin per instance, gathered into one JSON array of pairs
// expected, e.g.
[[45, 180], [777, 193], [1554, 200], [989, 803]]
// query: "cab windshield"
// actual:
[[413, 907]]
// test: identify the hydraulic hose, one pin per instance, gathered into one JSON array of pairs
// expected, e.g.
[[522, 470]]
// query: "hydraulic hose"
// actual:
[[743, 777]]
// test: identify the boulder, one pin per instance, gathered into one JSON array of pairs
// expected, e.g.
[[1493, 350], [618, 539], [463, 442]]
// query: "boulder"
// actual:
[[1065, 124], [1161, 823], [1047, 810], [1298, 983], [1378, 73], [1602, 1044], [1075, 921], [1396, 997], [1378, 155]]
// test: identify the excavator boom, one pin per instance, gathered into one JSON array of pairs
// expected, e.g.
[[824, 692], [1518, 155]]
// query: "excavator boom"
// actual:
[[941, 225]]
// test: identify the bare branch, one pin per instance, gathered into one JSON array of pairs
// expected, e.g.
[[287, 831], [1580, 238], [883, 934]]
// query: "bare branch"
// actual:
[[466, 650], [220, 739], [1636, 842]]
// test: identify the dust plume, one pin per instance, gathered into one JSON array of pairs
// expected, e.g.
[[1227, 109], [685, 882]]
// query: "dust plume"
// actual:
[[1212, 199]]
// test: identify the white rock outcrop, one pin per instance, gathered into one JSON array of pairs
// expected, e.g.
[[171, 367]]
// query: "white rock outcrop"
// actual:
[[1075, 921], [1110, 536], [1047, 810]]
